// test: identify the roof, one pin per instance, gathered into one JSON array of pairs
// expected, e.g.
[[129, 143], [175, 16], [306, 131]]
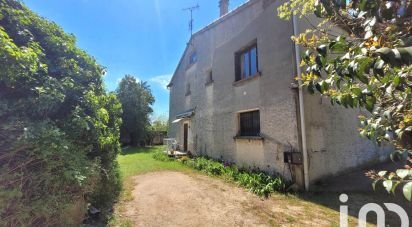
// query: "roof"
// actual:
[[186, 114], [210, 26]]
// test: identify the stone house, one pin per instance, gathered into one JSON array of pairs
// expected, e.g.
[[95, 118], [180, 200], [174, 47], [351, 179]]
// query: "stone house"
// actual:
[[234, 97]]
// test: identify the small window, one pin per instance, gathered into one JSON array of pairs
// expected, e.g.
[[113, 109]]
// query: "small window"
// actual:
[[209, 77], [188, 92], [249, 123], [193, 58], [246, 63]]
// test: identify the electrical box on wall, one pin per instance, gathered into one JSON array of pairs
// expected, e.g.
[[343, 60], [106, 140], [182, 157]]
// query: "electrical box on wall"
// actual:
[[294, 158]]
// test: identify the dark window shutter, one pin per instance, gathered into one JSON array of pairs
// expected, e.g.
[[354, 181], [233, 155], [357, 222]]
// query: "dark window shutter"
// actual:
[[237, 67]]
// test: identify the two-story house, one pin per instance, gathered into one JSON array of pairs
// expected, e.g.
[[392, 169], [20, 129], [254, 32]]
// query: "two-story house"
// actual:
[[233, 97]]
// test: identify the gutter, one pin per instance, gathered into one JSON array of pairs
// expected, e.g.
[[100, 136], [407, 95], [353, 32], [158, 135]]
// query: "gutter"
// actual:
[[301, 107]]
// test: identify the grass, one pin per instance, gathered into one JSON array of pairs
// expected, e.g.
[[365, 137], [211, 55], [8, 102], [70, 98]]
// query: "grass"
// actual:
[[135, 161]]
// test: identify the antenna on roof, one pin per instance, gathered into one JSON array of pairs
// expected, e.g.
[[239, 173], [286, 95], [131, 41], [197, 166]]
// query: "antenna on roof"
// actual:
[[191, 9]]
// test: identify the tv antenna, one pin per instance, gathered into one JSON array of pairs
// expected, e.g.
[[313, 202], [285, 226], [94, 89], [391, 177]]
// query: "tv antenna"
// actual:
[[191, 9]]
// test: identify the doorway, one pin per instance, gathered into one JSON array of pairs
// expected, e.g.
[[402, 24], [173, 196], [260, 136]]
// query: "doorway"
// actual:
[[185, 136]]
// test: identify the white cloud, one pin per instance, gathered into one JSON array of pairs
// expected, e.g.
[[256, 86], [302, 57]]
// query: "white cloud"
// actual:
[[162, 80]]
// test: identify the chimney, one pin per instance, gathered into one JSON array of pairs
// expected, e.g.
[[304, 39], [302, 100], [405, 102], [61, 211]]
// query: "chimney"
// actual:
[[224, 7]]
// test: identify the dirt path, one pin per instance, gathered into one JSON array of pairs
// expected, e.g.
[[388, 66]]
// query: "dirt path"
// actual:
[[177, 199]]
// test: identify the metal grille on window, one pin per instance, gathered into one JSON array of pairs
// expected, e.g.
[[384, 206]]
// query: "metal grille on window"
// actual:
[[249, 123]]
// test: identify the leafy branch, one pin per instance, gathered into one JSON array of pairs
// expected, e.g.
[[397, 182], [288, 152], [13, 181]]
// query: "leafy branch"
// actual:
[[368, 66]]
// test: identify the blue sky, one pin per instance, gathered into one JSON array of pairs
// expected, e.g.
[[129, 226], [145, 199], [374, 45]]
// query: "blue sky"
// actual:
[[144, 38]]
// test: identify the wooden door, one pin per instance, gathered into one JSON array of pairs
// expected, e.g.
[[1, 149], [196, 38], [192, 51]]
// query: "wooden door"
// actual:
[[185, 136]]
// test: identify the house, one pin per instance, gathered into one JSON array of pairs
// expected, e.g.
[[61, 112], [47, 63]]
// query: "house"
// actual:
[[233, 97]]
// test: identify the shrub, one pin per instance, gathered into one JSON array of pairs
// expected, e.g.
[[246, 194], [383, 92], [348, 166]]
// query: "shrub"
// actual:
[[184, 159], [59, 129], [161, 156], [259, 183]]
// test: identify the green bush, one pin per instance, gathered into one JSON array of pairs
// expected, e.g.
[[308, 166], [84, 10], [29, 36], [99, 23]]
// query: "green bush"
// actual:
[[184, 159], [59, 129], [161, 156], [257, 182], [261, 183]]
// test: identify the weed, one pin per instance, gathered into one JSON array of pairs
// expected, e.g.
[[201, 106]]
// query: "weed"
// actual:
[[161, 156]]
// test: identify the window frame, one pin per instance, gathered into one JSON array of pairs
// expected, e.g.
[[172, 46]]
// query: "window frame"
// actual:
[[255, 131], [193, 58], [209, 77], [188, 90], [239, 56]]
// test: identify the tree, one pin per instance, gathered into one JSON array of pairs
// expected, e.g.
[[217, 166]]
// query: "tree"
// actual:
[[136, 99], [59, 129], [367, 66], [160, 124]]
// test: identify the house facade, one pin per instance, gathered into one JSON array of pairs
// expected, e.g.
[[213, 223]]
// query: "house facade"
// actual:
[[233, 97]]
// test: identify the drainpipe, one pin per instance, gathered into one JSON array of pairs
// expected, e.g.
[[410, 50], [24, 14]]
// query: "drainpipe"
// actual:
[[301, 107]]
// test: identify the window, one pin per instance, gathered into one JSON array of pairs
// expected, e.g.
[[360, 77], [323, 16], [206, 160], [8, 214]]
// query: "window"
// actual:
[[193, 58], [246, 63], [188, 89], [209, 77], [249, 123]]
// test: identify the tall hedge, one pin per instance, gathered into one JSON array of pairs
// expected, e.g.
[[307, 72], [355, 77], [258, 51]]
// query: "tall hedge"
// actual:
[[59, 128]]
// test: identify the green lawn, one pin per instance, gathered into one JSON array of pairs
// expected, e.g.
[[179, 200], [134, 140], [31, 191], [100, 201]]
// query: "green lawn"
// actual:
[[135, 161]]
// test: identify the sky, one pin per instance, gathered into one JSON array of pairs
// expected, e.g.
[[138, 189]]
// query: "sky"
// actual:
[[143, 38]]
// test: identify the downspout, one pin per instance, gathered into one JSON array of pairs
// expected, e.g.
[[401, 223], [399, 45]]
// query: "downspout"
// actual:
[[301, 107]]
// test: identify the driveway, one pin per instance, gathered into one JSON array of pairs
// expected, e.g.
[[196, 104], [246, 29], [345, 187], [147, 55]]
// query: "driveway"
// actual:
[[178, 199]]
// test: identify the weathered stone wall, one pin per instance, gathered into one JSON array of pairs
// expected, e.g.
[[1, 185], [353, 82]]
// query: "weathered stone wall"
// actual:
[[333, 142], [217, 105]]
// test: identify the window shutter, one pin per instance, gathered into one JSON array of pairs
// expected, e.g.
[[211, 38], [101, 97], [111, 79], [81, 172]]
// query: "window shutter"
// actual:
[[237, 67]]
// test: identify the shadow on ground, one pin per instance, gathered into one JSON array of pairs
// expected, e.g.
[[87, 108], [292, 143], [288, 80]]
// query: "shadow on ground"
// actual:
[[134, 150], [359, 189]]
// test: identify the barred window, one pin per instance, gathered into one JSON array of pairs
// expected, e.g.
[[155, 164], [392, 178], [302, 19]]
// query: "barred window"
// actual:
[[249, 123]]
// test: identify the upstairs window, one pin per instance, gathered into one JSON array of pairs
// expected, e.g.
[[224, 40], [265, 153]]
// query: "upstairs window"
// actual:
[[249, 123], [193, 58], [188, 92], [246, 63], [209, 77]]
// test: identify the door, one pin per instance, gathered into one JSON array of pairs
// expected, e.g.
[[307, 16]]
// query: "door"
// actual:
[[185, 136]]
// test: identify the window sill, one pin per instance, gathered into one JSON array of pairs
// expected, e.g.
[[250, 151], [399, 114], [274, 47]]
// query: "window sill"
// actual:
[[249, 138], [209, 83], [190, 65], [242, 81]]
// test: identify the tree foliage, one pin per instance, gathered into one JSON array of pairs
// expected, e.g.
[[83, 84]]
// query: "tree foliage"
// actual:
[[368, 65], [59, 129], [161, 123], [136, 98]]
